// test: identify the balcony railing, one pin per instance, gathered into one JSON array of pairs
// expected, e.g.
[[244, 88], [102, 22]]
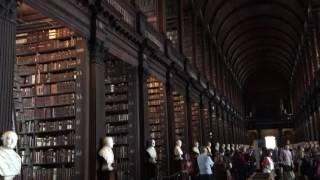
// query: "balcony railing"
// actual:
[[127, 12]]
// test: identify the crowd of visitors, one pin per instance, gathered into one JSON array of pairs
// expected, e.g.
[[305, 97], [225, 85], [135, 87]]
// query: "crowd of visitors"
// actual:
[[240, 163]]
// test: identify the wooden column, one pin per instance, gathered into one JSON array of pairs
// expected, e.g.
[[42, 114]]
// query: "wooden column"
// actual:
[[96, 92], [180, 25], [7, 61], [189, 117], [316, 45], [141, 113], [306, 127], [222, 120], [171, 123], [225, 120], [318, 116], [232, 130], [314, 116], [217, 123], [211, 124], [203, 131], [96, 109]]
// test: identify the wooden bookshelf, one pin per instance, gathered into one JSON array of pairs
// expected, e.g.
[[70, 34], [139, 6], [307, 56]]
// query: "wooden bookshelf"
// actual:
[[214, 125], [118, 107], [179, 105], [48, 64], [195, 123], [206, 123], [156, 119]]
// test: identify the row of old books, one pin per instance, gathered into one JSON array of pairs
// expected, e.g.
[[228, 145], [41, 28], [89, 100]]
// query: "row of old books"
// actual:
[[46, 141], [37, 79], [45, 126], [50, 174], [48, 89], [46, 113]]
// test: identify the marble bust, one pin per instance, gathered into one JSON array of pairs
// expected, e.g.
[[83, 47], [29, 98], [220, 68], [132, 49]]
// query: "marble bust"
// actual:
[[233, 148], [237, 147], [151, 150], [178, 151], [10, 161], [195, 148], [217, 146], [228, 147], [209, 148], [107, 154], [223, 147]]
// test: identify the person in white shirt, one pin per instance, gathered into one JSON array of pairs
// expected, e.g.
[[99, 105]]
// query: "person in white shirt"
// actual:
[[205, 164], [268, 165]]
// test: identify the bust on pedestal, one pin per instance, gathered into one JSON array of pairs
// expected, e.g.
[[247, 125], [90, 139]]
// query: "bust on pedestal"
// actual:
[[237, 147], [107, 154], [228, 147], [151, 160], [178, 156], [195, 149], [10, 161], [216, 149], [209, 149], [223, 149], [178, 151], [233, 148], [228, 150]]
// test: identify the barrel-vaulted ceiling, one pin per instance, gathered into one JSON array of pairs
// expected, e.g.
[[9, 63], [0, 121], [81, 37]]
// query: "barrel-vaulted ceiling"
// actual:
[[255, 34]]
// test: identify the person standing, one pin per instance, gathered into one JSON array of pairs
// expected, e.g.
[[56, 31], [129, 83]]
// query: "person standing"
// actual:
[[187, 167], [238, 164], [286, 160], [268, 165], [205, 165]]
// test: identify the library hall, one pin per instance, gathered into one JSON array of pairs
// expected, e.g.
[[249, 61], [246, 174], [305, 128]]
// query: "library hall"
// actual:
[[159, 89]]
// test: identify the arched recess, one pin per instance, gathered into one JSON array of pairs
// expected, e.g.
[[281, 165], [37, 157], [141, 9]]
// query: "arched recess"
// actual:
[[249, 27], [237, 9], [260, 40], [243, 50], [256, 68], [260, 51], [266, 59]]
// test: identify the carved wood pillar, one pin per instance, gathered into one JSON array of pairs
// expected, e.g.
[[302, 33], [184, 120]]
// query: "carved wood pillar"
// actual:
[[7, 61], [189, 116], [96, 123], [97, 103]]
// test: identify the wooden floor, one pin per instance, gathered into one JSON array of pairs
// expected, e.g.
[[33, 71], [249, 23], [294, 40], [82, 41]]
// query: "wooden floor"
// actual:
[[260, 176]]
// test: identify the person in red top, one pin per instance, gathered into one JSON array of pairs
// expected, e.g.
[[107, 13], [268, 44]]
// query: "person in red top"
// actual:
[[187, 167], [239, 166]]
